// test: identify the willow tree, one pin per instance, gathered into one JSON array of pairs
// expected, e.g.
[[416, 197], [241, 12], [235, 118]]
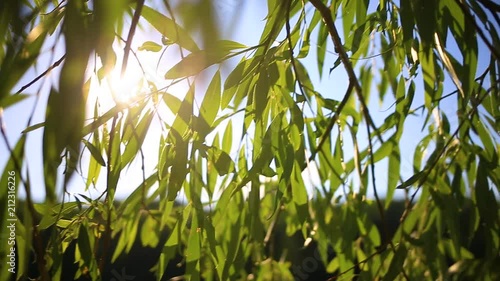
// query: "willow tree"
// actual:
[[260, 142]]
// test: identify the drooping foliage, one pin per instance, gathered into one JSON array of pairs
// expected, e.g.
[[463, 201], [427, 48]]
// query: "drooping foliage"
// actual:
[[339, 107]]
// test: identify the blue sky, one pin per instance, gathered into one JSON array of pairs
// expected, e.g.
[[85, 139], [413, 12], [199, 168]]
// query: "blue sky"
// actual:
[[249, 22]]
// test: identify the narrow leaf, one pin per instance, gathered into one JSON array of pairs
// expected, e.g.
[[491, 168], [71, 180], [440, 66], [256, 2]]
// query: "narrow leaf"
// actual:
[[150, 46], [168, 28]]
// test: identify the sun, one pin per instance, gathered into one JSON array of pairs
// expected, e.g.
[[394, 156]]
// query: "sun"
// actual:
[[117, 88], [125, 87]]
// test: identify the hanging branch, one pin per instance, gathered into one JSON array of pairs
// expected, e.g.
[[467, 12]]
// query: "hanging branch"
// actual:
[[354, 82], [130, 37], [47, 71], [337, 42], [333, 120]]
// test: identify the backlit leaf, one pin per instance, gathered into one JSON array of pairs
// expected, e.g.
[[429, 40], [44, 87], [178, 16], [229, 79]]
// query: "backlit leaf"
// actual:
[[168, 28], [150, 46]]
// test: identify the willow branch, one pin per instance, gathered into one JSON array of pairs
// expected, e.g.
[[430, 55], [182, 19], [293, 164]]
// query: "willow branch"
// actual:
[[378, 252], [131, 32], [354, 82], [339, 47], [333, 120], [54, 65]]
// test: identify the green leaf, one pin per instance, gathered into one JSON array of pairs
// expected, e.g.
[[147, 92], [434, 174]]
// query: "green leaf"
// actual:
[[114, 160], [393, 174], [489, 148], [396, 263], [193, 251], [172, 102], [447, 63], [412, 180], [451, 215], [93, 172], [321, 48], [184, 114], [211, 101], [227, 139], [24, 240], [11, 173], [168, 28], [260, 97], [348, 13], [228, 45], [221, 160], [149, 232], [12, 99], [101, 120], [94, 151], [383, 151], [485, 198], [195, 62], [137, 138], [361, 10], [407, 21], [47, 221], [299, 192], [84, 245], [150, 46], [179, 170], [237, 75], [242, 72], [169, 250], [304, 49], [234, 244], [33, 127], [427, 61]]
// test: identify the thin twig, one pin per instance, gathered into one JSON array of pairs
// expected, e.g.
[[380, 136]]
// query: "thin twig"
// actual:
[[333, 120], [135, 55], [131, 32], [54, 65], [378, 252], [172, 14]]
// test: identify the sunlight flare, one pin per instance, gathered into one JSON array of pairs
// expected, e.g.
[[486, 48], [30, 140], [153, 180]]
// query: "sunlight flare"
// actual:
[[116, 88]]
